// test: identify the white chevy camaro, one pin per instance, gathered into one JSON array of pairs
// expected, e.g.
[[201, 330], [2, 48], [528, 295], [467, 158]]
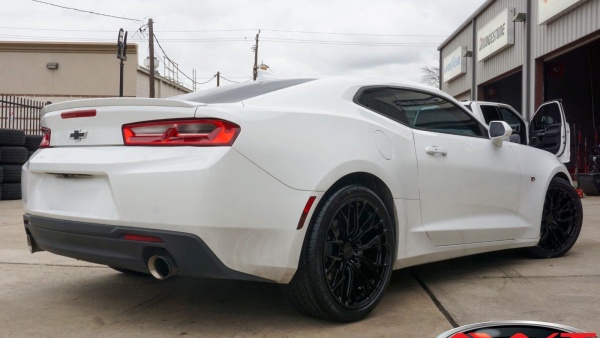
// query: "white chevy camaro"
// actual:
[[324, 185]]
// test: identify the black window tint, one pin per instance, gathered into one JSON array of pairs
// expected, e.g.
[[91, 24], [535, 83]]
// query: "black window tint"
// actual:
[[547, 115], [509, 116], [239, 92], [515, 122], [490, 113], [383, 101], [433, 113]]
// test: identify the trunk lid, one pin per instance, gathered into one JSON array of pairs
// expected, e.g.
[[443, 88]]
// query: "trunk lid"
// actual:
[[97, 122]]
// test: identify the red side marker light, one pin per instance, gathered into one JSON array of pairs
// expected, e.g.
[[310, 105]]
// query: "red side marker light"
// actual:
[[305, 212], [142, 238]]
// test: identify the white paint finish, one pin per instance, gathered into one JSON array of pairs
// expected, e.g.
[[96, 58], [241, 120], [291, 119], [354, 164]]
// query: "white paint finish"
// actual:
[[549, 10], [177, 189], [496, 35], [468, 195], [383, 145], [245, 201]]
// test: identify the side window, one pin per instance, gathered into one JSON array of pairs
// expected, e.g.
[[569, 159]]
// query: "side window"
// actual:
[[490, 113], [515, 122], [429, 112], [383, 101], [509, 116]]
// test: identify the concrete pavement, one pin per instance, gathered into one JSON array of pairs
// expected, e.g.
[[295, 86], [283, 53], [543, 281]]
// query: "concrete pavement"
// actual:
[[45, 295]]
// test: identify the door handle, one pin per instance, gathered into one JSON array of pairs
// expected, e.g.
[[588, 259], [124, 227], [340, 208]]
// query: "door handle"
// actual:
[[436, 150]]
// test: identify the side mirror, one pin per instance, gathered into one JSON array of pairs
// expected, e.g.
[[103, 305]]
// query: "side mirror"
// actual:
[[500, 131]]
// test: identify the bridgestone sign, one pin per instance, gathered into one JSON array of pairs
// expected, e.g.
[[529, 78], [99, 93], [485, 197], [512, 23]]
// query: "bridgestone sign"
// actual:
[[496, 35], [549, 10]]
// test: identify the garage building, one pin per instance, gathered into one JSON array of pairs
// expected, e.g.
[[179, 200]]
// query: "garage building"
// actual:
[[524, 53]]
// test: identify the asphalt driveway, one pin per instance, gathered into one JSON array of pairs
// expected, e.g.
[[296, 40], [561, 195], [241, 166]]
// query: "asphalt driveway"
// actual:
[[45, 295]]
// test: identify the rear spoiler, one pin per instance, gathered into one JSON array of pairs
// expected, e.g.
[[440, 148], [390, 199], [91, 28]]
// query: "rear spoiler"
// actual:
[[117, 101]]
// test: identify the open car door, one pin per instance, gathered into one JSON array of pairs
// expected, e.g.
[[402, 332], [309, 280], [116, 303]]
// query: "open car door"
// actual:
[[550, 131]]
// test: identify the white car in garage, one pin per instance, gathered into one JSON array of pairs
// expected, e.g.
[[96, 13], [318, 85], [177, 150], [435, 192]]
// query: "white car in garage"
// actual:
[[324, 185]]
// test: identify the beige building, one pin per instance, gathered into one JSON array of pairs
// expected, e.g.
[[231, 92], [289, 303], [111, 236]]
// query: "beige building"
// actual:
[[61, 71]]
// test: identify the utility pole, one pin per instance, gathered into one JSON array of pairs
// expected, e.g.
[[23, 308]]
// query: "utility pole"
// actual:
[[121, 55], [255, 48], [218, 79], [151, 47]]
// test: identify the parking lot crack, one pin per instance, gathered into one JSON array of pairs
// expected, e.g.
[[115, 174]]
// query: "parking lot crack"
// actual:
[[145, 304], [435, 300]]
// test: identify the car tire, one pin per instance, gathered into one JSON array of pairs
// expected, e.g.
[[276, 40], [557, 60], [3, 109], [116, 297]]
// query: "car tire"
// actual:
[[11, 173], [13, 155], [10, 191], [131, 272], [562, 218], [347, 258], [12, 137], [32, 142]]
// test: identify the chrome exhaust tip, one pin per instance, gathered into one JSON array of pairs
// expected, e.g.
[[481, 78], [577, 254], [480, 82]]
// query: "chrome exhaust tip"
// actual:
[[162, 267]]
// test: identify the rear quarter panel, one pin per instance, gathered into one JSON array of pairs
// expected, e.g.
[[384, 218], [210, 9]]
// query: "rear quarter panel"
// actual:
[[311, 150]]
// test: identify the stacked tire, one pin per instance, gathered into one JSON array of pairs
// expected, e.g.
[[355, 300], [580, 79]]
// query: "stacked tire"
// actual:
[[15, 150]]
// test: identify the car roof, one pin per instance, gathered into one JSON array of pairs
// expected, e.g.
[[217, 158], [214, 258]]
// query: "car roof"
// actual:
[[334, 85]]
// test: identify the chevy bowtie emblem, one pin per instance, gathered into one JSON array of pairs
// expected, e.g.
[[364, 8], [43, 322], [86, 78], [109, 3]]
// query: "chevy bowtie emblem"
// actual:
[[78, 135]]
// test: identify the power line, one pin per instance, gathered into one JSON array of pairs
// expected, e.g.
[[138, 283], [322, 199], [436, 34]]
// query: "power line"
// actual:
[[359, 34], [205, 82], [245, 77], [175, 65], [57, 30], [84, 11], [205, 40], [353, 43], [226, 79], [235, 30], [208, 30], [302, 32]]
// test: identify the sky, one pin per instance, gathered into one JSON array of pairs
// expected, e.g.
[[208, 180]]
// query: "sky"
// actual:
[[384, 38]]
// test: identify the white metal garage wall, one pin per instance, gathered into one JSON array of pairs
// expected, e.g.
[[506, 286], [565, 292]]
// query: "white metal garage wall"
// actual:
[[568, 28]]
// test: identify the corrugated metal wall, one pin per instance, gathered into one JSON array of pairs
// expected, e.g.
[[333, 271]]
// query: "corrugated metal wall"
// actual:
[[570, 27], [462, 83], [511, 57], [578, 23]]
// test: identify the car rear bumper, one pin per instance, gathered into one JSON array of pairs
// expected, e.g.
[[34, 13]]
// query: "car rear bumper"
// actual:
[[106, 244], [244, 216]]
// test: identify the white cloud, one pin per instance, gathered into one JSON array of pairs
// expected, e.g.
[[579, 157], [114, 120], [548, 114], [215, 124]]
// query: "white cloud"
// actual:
[[418, 26]]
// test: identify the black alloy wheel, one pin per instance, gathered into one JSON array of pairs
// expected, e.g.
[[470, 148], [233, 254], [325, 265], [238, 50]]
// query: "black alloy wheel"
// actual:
[[562, 218], [347, 259]]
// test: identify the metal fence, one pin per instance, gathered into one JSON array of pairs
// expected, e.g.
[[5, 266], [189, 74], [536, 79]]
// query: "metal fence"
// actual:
[[583, 144], [20, 113]]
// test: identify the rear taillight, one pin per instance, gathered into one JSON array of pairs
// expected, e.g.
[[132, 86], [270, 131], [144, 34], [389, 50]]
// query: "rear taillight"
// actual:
[[194, 132], [45, 138]]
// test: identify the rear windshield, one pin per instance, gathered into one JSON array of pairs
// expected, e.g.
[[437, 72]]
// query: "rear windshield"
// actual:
[[239, 92]]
